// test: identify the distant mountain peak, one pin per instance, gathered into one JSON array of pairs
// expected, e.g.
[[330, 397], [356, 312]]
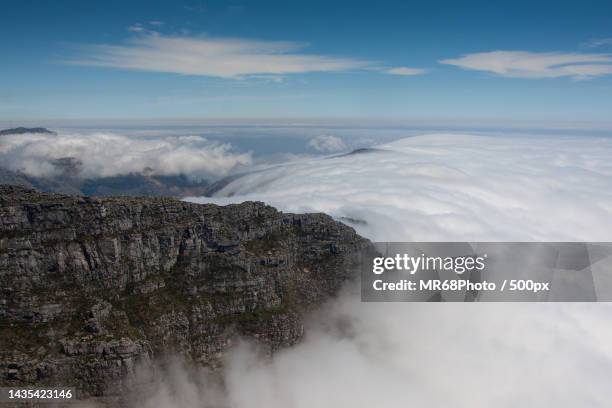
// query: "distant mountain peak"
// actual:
[[23, 130]]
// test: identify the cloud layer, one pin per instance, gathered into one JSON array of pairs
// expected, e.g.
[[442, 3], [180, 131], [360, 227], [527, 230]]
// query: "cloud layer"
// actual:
[[405, 71], [436, 187], [242, 58], [327, 143], [109, 154], [454, 187], [361, 355], [216, 57], [600, 42], [524, 64]]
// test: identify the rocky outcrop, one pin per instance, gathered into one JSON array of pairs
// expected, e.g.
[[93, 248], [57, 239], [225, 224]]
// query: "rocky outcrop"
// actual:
[[90, 287]]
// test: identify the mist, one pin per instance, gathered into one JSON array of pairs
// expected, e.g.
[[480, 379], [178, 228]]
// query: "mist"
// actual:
[[111, 154], [437, 187], [451, 187]]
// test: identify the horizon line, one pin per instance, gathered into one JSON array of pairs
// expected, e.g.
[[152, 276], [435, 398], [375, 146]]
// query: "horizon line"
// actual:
[[306, 121]]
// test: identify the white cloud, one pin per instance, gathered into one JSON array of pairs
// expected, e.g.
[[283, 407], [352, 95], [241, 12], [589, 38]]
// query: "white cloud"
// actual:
[[108, 154], [198, 8], [437, 187], [136, 28], [217, 57], [600, 42], [359, 355], [406, 71], [454, 187], [524, 64], [362, 355], [156, 23], [327, 143]]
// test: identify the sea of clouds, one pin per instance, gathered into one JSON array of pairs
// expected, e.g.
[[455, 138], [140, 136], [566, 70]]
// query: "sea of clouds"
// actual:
[[327, 143], [110, 154], [442, 187], [397, 355], [449, 187]]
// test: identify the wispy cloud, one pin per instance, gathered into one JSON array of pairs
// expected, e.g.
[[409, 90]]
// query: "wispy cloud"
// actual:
[[197, 8], [327, 144], [216, 57], [406, 71], [599, 42], [136, 28], [146, 28], [524, 64]]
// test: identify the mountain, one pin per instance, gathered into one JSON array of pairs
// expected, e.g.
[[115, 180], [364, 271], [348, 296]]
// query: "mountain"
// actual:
[[92, 287], [23, 130], [67, 178], [13, 178], [135, 184], [48, 184]]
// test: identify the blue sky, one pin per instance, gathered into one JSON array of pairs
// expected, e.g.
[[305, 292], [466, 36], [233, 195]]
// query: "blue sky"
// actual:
[[263, 59]]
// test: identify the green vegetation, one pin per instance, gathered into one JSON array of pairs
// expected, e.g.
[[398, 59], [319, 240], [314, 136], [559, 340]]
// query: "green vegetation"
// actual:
[[264, 244]]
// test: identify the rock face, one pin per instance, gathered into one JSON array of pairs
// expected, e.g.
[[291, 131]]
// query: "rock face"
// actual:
[[90, 287]]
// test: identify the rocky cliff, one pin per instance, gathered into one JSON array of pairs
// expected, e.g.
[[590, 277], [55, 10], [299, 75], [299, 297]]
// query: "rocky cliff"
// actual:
[[90, 287]]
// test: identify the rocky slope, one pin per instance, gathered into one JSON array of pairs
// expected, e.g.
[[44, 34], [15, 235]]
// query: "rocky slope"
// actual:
[[135, 184], [90, 287]]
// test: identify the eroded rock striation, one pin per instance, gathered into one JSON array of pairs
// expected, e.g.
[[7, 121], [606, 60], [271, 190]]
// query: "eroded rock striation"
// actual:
[[90, 287]]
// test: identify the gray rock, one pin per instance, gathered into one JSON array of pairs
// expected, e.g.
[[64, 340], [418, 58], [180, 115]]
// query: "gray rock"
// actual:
[[89, 288]]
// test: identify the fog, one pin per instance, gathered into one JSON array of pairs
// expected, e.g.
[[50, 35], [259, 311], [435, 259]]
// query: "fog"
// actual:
[[437, 187], [327, 143], [449, 187], [109, 154]]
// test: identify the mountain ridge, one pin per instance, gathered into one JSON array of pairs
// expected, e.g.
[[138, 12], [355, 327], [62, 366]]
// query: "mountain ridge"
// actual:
[[23, 130], [94, 287]]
